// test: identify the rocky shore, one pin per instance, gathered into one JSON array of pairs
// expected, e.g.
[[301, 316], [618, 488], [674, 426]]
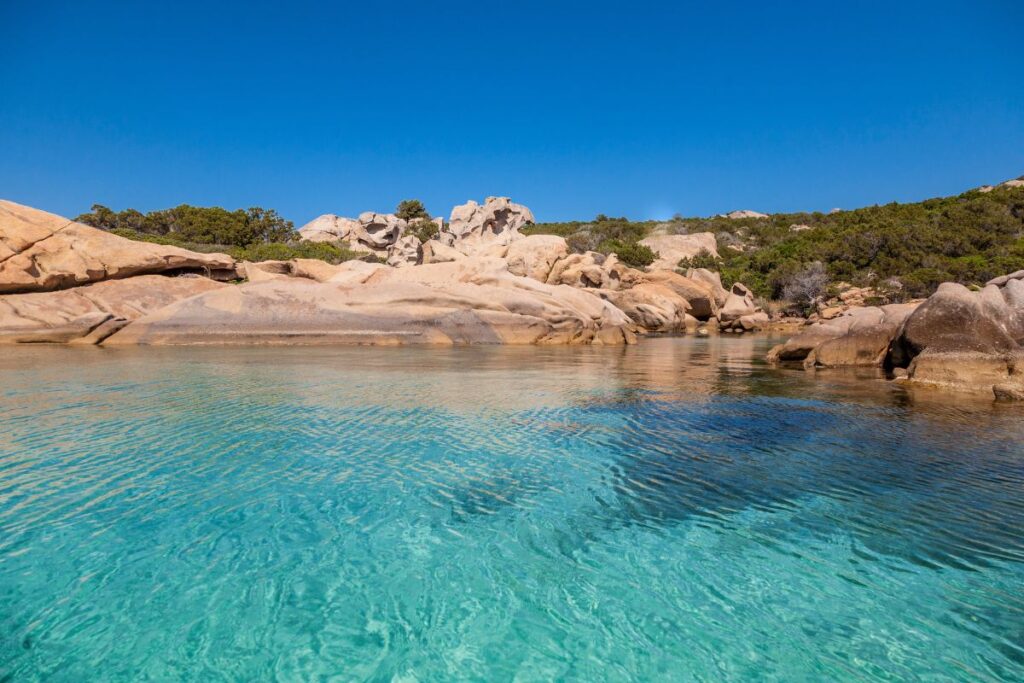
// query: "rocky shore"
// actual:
[[478, 280], [956, 339]]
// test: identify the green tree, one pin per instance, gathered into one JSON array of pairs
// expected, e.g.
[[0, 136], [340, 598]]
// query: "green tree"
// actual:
[[423, 229], [410, 209]]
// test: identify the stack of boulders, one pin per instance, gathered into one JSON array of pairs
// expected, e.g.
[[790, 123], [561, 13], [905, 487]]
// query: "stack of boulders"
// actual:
[[847, 297], [479, 281], [372, 233], [474, 227], [956, 338], [64, 282], [657, 299]]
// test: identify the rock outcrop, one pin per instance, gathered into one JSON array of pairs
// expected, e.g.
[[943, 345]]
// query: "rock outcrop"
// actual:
[[328, 228], [377, 231], [472, 301], [713, 280], [536, 255], [473, 227], [435, 251], [88, 314], [41, 251], [957, 338], [406, 251], [672, 248], [743, 213], [861, 337], [374, 233], [481, 281]]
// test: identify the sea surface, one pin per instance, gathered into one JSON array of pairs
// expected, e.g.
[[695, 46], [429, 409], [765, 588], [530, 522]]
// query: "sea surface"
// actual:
[[672, 511]]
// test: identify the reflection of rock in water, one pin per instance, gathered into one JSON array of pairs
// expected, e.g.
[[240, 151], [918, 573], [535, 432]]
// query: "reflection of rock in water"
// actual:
[[896, 482]]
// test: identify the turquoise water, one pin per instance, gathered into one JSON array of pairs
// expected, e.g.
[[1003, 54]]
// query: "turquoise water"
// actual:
[[670, 511]]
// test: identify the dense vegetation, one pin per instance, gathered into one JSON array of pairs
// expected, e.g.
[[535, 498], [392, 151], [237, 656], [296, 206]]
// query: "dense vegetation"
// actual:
[[902, 250], [200, 225], [905, 250], [603, 234], [254, 234]]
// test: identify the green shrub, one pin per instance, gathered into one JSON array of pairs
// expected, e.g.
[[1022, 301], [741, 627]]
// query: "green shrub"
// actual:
[[196, 224], [631, 253], [702, 259], [278, 251], [424, 229]]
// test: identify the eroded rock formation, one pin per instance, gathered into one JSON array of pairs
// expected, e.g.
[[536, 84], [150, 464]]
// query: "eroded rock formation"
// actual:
[[41, 251], [480, 281], [473, 227], [472, 301], [91, 313], [672, 248], [957, 338]]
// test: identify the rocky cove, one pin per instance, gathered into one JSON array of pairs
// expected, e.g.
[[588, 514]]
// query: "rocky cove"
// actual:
[[476, 280]]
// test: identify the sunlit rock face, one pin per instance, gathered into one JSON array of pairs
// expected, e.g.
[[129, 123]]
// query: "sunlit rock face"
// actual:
[[673, 248], [41, 251], [328, 228], [474, 226], [956, 339], [89, 314], [472, 301]]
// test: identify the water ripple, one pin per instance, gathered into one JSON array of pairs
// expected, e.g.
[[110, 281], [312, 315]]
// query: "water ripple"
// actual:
[[674, 509]]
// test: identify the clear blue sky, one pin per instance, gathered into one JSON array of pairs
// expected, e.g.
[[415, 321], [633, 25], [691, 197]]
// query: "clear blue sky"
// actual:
[[573, 108]]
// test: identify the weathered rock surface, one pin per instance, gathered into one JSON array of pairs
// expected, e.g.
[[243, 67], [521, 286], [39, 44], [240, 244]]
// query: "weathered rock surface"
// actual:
[[534, 256], [497, 221], [41, 251], [406, 251], [957, 338], [743, 213], [957, 319], [328, 228], [89, 313], [652, 306], [472, 301], [738, 304], [435, 251], [590, 270], [377, 231], [860, 338], [699, 295], [672, 248], [713, 280]]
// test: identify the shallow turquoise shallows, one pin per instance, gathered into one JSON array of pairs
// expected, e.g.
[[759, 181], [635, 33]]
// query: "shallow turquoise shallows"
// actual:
[[672, 511]]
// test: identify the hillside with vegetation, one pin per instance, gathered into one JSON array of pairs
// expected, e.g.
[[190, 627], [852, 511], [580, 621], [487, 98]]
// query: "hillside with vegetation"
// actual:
[[254, 234], [903, 250]]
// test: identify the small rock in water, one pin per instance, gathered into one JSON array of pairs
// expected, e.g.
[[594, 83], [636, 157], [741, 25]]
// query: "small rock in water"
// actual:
[[1009, 392]]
